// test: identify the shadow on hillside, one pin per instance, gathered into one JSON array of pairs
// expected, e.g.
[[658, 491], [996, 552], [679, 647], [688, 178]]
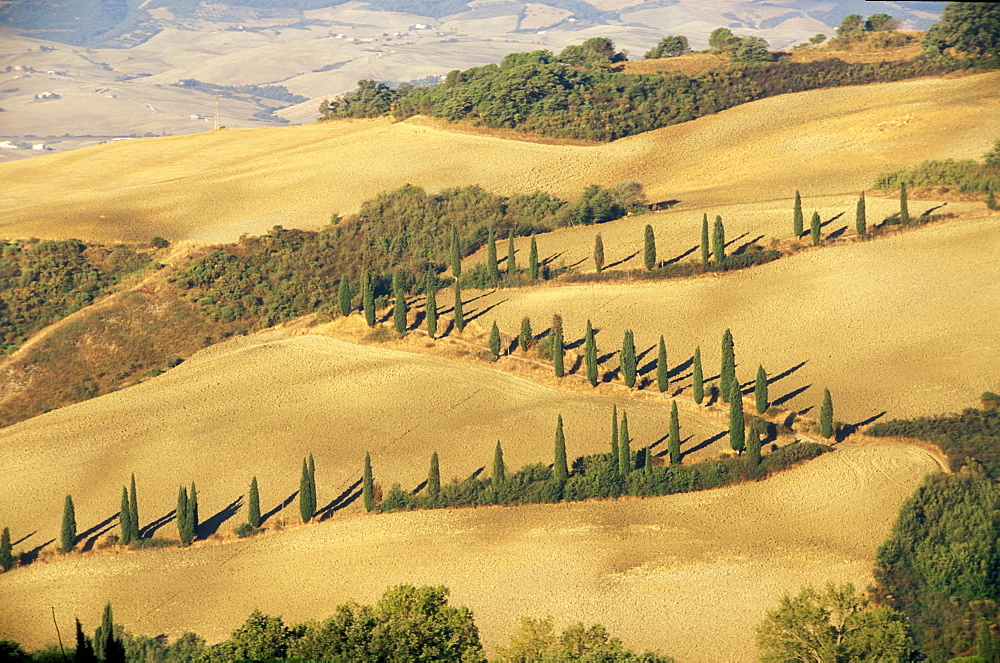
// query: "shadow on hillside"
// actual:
[[837, 233], [824, 224], [666, 452], [350, 494], [96, 532], [23, 539], [281, 505], [210, 526], [623, 260], [704, 443], [746, 245], [789, 396], [642, 370], [469, 317], [552, 258], [850, 429], [149, 530], [735, 239], [30, 556], [680, 257]]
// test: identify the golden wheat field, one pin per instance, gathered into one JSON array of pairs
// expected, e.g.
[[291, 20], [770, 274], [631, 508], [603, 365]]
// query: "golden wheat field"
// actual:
[[219, 185]]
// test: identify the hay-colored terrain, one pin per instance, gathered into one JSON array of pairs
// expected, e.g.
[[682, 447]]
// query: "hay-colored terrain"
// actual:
[[903, 325], [217, 186]]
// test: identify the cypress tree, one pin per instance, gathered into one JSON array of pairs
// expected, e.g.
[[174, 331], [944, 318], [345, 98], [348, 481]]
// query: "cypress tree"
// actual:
[[434, 477], [6, 551], [344, 296], [649, 249], [737, 434], [614, 434], [67, 540], [814, 228], [459, 314], [368, 298], [704, 240], [674, 439], [590, 355], [719, 242], [312, 483], [558, 347], [904, 207], [986, 644], [399, 307], [306, 507], [368, 484], [757, 428], [662, 379], [826, 416], [524, 340], [495, 341], [533, 260], [491, 257], [84, 648], [727, 376], [598, 253], [456, 254], [697, 378], [860, 217], [193, 521], [798, 220], [624, 450], [125, 519], [103, 633], [133, 502], [183, 520], [628, 360], [499, 469], [560, 470], [647, 460], [430, 304], [511, 260], [991, 201], [760, 391], [253, 508]]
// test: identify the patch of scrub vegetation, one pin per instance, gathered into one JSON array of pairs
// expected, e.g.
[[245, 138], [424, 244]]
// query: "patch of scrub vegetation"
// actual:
[[967, 175], [41, 282]]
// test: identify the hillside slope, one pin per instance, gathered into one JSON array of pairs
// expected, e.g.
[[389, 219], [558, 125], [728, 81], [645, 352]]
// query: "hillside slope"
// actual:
[[217, 186]]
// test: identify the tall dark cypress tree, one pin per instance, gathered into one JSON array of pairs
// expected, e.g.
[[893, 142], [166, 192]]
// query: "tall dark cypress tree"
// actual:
[[253, 507], [533, 260], [133, 503], [84, 647], [560, 469], [312, 483], [558, 346], [814, 228], [727, 376], [344, 296], [459, 314], [368, 484], [399, 307], [103, 633], [704, 240], [67, 538], [492, 269], [697, 378], [649, 249], [495, 341], [674, 437], [904, 207], [193, 520], [798, 220], [737, 434], [628, 360], [6, 551], [758, 428], [614, 434], [456, 254], [860, 217], [590, 354], [434, 477], [760, 391], [526, 337], [598, 253], [125, 519], [826, 416], [183, 519], [511, 258], [719, 242], [499, 469], [662, 379], [624, 448], [306, 507], [430, 303], [368, 298]]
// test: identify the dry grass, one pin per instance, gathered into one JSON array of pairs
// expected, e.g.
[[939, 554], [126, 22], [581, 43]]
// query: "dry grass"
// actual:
[[685, 64], [217, 186]]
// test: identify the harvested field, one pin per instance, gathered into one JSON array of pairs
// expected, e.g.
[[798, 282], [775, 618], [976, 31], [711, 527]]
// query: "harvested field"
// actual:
[[687, 574], [216, 186]]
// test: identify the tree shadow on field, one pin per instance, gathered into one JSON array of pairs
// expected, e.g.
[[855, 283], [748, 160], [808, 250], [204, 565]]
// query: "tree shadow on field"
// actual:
[[642, 355], [96, 528], [784, 374], [620, 262], [420, 486], [704, 443], [475, 475], [469, 317], [23, 539], [211, 525], [666, 452], [97, 532], [577, 363], [30, 556], [926, 213], [350, 494], [281, 505], [735, 239], [150, 529], [680, 368], [680, 257], [847, 430], [789, 396], [837, 233], [824, 224], [746, 245], [552, 258], [577, 263]]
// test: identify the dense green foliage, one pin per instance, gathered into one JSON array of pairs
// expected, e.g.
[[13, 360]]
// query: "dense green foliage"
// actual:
[[814, 228], [183, 528], [727, 372], [598, 253], [434, 477], [974, 433], [560, 469], [625, 459], [670, 46], [760, 391], [718, 242], [941, 564], [970, 28], [41, 282], [306, 505], [649, 249], [704, 240], [737, 425], [274, 92], [697, 378], [968, 175], [536, 640], [495, 341], [253, 505], [627, 359], [67, 536]]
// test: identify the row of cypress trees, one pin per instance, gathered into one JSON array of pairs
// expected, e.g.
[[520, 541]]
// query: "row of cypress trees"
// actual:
[[187, 514], [105, 646], [860, 216]]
